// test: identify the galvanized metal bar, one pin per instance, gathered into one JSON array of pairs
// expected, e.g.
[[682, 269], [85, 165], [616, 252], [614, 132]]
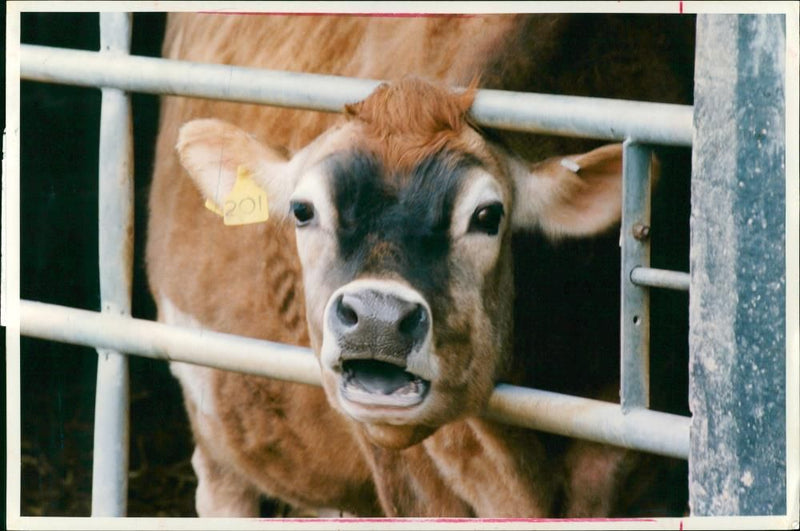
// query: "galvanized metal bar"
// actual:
[[594, 420], [660, 278], [608, 119], [576, 116], [171, 343], [111, 428], [643, 430], [635, 303]]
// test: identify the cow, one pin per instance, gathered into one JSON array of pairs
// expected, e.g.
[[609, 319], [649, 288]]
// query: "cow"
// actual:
[[390, 251]]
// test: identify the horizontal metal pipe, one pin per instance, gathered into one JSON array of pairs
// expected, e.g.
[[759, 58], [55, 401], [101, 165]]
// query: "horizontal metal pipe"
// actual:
[[160, 341], [660, 278], [595, 420], [600, 118], [604, 422]]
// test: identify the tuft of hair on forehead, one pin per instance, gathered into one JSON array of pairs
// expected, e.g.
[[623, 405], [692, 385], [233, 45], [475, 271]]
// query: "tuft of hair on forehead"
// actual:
[[408, 121]]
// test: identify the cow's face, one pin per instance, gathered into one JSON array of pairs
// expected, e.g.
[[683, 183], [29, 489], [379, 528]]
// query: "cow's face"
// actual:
[[403, 218], [407, 277]]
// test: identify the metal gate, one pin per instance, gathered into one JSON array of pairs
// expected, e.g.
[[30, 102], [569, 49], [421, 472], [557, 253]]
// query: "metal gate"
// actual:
[[749, 447]]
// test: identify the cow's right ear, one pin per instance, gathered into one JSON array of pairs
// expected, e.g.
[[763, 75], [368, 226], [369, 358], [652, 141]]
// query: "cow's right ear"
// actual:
[[213, 152]]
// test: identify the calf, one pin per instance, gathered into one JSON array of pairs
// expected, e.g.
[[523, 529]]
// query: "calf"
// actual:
[[402, 281], [403, 217]]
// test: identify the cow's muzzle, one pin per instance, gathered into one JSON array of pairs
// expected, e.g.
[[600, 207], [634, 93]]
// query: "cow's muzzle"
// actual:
[[379, 333], [382, 324]]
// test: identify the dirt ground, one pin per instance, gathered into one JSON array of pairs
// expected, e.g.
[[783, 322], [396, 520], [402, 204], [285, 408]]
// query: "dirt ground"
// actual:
[[57, 437]]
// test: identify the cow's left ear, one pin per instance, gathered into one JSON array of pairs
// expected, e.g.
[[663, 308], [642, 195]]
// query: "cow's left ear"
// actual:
[[576, 195]]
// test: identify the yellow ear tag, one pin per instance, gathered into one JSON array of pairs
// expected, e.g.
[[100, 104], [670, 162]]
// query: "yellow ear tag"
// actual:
[[246, 203], [213, 208]]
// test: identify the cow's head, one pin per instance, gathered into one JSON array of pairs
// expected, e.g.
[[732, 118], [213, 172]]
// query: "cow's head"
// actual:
[[404, 216]]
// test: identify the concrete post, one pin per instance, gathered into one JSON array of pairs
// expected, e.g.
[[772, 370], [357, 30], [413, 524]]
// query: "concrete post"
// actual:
[[737, 460]]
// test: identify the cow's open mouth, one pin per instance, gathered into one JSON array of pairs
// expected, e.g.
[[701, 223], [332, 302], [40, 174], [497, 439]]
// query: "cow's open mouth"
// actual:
[[376, 383]]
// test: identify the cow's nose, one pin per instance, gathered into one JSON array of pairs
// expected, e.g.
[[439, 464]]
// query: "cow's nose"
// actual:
[[383, 326]]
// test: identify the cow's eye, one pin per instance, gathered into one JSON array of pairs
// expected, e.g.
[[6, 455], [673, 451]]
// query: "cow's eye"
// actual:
[[486, 219], [303, 212]]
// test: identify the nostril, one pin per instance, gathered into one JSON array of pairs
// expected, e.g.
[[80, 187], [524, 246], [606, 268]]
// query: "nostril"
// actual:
[[414, 324], [346, 314]]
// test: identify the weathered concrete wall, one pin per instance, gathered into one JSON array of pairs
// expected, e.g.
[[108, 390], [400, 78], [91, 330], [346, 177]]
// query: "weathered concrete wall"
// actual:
[[738, 278]]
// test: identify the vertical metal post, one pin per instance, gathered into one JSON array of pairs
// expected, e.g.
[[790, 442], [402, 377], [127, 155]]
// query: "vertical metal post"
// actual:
[[111, 430], [737, 339], [635, 250]]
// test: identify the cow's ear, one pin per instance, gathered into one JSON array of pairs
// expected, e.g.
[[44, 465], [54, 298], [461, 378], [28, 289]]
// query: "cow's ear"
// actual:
[[577, 195], [214, 152]]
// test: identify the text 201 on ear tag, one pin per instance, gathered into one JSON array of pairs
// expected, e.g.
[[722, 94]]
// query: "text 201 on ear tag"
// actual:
[[246, 203]]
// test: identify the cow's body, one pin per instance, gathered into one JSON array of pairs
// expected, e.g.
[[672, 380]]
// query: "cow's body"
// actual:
[[256, 436]]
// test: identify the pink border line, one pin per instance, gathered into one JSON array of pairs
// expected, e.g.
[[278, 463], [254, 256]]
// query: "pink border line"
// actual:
[[339, 14], [459, 520]]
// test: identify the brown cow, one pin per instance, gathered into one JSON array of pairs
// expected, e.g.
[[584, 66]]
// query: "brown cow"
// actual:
[[403, 214]]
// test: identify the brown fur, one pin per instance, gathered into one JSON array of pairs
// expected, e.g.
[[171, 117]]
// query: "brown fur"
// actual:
[[284, 439], [402, 127]]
